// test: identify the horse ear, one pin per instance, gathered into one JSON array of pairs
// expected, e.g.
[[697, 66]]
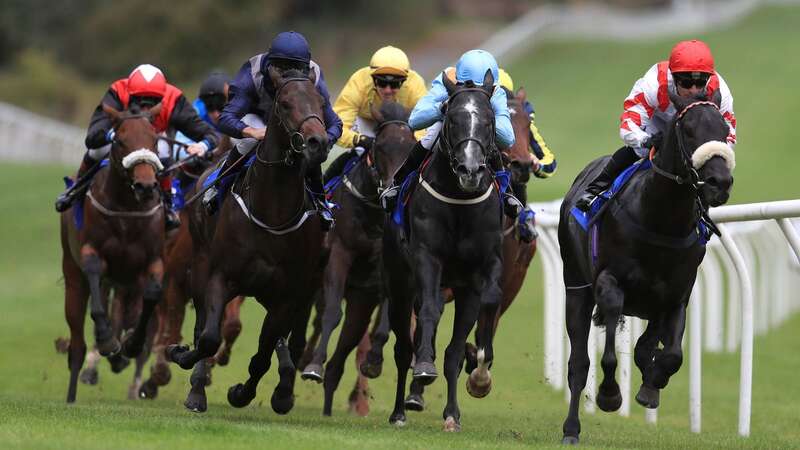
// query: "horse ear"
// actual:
[[521, 95], [376, 113], [716, 97], [155, 110], [448, 84], [488, 80], [678, 101], [312, 75], [274, 75], [111, 112]]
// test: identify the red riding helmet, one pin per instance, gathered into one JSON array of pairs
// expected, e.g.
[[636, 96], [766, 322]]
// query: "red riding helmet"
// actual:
[[147, 81], [691, 56]]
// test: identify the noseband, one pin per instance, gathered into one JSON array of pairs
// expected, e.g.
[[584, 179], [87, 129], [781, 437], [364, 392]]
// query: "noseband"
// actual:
[[297, 140], [450, 148], [693, 177]]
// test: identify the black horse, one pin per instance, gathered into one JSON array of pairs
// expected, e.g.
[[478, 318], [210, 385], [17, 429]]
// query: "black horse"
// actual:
[[265, 243], [646, 254], [353, 269], [453, 238]]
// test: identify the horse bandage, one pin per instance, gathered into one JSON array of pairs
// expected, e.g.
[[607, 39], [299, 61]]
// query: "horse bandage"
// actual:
[[711, 149], [142, 155]]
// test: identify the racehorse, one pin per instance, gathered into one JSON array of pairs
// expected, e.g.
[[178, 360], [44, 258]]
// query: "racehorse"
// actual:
[[265, 242], [643, 260], [452, 238], [116, 243], [353, 269]]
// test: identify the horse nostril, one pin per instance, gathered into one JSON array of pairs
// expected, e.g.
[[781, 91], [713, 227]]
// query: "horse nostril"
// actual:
[[462, 170], [314, 143], [481, 168], [712, 181]]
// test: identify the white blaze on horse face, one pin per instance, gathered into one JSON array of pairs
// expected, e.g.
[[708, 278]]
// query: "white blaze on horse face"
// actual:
[[472, 109]]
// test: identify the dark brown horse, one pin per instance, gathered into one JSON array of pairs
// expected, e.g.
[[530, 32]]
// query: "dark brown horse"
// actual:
[[265, 242], [119, 246], [354, 265], [171, 311]]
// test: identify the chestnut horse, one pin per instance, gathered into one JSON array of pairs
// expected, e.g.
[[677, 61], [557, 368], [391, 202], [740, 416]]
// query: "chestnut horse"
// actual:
[[119, 245]]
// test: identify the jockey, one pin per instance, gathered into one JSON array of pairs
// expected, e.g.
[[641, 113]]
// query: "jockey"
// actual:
[[544, 165], [470, 69], [146, 86], [245, 115], [388, 77], [689, 72]]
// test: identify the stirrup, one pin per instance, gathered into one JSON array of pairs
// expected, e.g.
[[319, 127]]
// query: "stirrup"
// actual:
[[210, 200], [388, 198], [512, 206]]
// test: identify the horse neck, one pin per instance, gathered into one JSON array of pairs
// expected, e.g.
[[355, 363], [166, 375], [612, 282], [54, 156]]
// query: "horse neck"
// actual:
[[666, 206], [276, 191]]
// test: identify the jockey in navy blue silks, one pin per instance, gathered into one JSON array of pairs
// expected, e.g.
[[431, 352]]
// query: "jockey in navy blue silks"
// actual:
[[250, 102]]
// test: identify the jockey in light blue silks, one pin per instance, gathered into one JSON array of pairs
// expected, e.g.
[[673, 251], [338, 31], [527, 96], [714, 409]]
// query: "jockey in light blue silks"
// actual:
[[470, 70]]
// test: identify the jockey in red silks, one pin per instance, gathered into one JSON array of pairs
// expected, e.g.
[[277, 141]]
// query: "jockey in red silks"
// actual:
[[688, 73], [145, 87]]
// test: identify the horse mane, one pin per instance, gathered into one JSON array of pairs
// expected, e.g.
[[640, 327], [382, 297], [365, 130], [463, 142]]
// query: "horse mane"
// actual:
[[394, 111], [294, 73]]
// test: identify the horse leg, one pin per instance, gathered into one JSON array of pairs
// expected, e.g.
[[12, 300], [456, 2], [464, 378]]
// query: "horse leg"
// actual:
[[125, 308], [669, 360], [75, 296], [467, 307], [151, 296], [241, 394], [610, 300], [428, 270], [579, 307], [316, 330], [136, 385], [358, 401], [282, 400], [231, 328], [170, 312], [372, 366], [200, 378], [479, 383], [335, 278], [93, 268], [355, 325], [415, 401], [400, 303], [643, 355], [209, 339]]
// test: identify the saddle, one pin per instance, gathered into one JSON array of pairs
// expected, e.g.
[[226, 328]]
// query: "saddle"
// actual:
[[77, 206]]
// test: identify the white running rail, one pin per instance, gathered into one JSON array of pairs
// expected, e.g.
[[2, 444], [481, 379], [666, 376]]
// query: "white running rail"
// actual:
[[745, 286]]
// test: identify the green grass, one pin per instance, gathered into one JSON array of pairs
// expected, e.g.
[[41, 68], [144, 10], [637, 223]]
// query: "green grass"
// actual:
[[578, 92]]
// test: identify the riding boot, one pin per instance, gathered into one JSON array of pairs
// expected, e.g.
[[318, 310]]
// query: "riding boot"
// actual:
[[314, 184], [172, 218], [412, 163], [65, 200], [210, 201], [512, 206], [619, 161]]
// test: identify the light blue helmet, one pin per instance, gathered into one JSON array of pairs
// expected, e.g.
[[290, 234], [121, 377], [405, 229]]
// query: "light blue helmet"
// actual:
[[472, 66]]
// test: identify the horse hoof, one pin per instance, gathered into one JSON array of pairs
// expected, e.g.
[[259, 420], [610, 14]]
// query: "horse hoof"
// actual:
[[648, 397], [108, 348], [161, 374], [238, 397], [570, 440], [478, 390], [174, 351], [148, 390], [424, 373], [313, 372], [398, 420], [609, 403], [89, 376], [224, 358], [282, 401], [118, 362], [62, 345], [451, 425], [370, 370], [196, 403], [415, 402]]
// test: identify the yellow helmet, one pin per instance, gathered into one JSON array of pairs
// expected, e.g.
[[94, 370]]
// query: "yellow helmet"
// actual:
[[390, 61], [506, 81]]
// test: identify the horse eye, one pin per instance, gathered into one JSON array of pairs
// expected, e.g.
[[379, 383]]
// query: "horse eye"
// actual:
[[285, 104]]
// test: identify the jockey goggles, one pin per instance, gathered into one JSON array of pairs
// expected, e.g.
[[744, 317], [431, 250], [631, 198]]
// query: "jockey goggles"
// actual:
[[283, 65], [145, 101], [383, 81], [213, 102], [689, 79]]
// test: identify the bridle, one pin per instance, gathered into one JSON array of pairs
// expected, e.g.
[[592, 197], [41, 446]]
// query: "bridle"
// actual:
[[297, 140], [371, 158], [444, 141], [693, 177]]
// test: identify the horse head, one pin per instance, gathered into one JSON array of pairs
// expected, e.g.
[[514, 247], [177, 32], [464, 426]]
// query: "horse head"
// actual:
[[520, 160], [699, 133], [467, 135], [298, 107], [393, 140], [133, 151]]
